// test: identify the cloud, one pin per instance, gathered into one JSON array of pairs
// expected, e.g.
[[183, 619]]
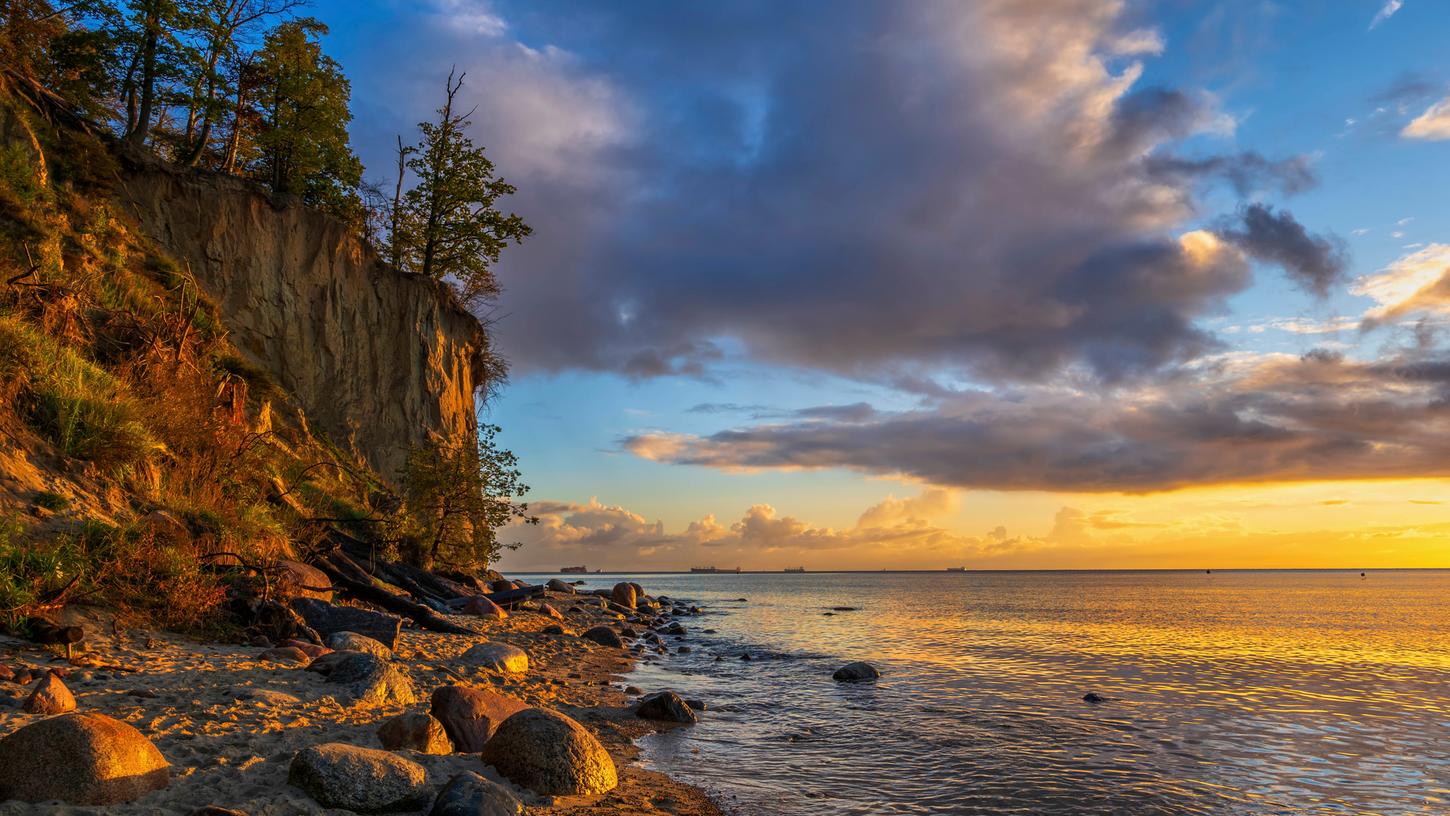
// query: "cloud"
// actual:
[[1415, 284], [1432, 125], [1314, 262], [1242, 418], [980, 189], [1386, 12]]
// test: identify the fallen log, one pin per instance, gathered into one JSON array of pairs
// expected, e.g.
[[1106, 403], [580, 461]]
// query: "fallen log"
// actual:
[[513, 596], [356, 582]]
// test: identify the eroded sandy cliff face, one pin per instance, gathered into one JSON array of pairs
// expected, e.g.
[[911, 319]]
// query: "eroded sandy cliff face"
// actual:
[[380, 361]]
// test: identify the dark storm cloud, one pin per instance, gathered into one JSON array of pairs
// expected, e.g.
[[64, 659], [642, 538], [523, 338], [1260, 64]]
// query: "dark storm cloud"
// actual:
[[862, 187], [1319, 417], [1314, 262]]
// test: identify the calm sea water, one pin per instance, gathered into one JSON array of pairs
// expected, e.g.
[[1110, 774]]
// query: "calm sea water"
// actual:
[[1236, 693]]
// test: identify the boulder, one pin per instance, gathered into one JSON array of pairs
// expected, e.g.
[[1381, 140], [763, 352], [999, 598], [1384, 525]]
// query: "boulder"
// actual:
[[546, 609], [50, 697], [369, 679], [415, 731], [553, 629], [501, 585], [556, 585], [499, 657], [856, 672], [285, 654], [470, 715], [81, 759], [361, 779], [469, 794], [604, 636], [638, 591], [216, 810], [482, 607], [328, 618], [624, 595], [298, 580], [550, 754], [353, 642], [665, 706]]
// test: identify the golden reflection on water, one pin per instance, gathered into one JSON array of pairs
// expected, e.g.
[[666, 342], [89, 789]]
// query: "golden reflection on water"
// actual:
[[1252, 692]]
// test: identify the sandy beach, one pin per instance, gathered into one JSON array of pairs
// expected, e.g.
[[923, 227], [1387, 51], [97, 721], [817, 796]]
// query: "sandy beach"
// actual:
[[229, 722]]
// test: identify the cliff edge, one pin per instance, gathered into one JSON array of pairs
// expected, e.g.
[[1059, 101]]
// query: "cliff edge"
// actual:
[[380, 361]]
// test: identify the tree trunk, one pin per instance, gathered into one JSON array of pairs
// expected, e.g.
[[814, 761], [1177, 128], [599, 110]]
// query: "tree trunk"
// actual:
[[148, 76]]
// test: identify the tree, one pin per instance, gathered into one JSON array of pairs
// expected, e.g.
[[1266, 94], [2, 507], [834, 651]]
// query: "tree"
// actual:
[[459, 496], [303, 97], [448, 226], [222, 25]]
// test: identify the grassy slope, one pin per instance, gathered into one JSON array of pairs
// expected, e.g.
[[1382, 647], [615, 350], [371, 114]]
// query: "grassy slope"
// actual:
[[136, 444]]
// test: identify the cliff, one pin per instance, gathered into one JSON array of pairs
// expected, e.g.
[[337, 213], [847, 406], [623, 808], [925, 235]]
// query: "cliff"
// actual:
[[380, 361]]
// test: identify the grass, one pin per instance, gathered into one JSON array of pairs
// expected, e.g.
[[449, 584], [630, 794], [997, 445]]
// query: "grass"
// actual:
[[53, 502], [68, 400]]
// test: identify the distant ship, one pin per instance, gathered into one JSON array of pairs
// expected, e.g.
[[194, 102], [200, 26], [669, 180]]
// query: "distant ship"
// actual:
[[956, 569], [573, 570], [713, 570], [795, 569]]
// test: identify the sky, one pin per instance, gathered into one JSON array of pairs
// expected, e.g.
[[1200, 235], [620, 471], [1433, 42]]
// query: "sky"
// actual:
[[986, 283]]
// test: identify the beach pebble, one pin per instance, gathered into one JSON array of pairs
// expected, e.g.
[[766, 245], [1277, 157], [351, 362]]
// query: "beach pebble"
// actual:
[[213, 810], [625, 595], [550, 754], [497, 656], [604, 636], [81, 759], [546, 609], [556, 585], [469, 794], [856, 672], [361, 779], [470, 716], [675, 628], [665, 706], [353, 642], [415, 731], [553, 629], [50, 697]]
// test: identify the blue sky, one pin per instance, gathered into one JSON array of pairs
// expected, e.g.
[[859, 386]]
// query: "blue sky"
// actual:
[[1028, 283]]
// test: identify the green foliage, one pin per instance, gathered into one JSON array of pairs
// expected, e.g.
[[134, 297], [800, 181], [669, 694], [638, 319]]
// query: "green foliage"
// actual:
[[30, 569], [51, 501], [304, 142], [459, 496], [448, 226], [77, 405]]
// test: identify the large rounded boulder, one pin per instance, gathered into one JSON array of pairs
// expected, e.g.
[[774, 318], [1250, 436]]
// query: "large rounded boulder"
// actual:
[[360, 779], [665, 706], [81, 759], [856, 673], [369, 679], [500, 657], [550, 754], [415, 731], [624, 594], [557, 585], [469, 794], [470, 715], [604, 636], [353, 642]]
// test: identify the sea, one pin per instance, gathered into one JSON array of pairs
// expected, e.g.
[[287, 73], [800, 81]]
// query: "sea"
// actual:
[[1226, 692]]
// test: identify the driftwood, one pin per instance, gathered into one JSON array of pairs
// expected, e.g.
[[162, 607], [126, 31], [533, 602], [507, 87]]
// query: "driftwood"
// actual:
[[513, 596], [357, 582]]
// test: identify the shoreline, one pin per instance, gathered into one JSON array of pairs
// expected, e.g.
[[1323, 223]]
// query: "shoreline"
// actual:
[[229, 722]]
